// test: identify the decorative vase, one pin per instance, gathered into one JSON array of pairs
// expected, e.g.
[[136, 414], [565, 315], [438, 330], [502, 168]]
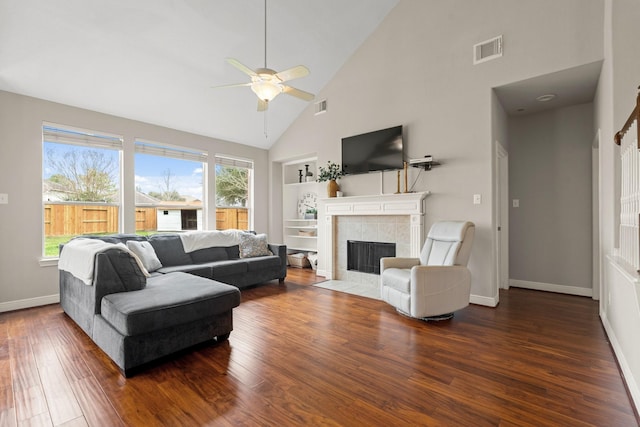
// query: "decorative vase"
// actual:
[[332, 188]]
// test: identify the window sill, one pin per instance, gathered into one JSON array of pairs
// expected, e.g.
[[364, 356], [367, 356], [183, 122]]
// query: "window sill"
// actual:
[[48, 262]]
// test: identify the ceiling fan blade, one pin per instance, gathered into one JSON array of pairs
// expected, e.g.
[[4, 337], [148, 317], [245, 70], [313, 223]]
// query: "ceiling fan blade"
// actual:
[[293, 73], [306, 96], [241, 67], [231, 85], [262, 105]]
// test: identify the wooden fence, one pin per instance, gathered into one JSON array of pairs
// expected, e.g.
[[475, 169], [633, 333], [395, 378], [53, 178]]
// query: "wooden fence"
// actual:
[[76, 219], [70, 219], [146, 219], [227, 218]]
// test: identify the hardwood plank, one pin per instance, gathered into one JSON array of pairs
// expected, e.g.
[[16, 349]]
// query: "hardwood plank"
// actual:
[[7, 407], [301, 355], [96, 407], [76, 422], [31, 404], [63, 406]]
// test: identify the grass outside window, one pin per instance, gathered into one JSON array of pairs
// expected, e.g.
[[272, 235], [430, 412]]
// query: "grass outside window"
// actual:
[[52, 243]]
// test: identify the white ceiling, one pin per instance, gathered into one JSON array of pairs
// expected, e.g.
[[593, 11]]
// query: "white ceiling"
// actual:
[[156, 60], [572, 86]]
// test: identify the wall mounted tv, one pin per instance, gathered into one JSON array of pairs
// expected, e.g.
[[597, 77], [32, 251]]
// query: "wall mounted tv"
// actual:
[[380, 150]]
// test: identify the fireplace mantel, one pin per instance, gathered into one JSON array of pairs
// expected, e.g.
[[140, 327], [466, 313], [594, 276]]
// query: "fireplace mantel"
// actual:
[[381, 204], [410, 204]]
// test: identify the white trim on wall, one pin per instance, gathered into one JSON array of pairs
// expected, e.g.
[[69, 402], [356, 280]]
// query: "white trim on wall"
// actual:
[[29, 303], [620, 317], [550, 287], [486, 301]]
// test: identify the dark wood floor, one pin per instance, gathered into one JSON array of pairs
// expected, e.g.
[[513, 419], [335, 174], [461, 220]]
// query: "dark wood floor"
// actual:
[[302, 355]]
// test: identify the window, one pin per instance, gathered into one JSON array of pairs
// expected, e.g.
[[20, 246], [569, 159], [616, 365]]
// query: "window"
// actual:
[[234, 189], [169, 188], [80, 184]]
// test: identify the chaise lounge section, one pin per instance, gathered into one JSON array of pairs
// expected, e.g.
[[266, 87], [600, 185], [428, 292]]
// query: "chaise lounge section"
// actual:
[[136, 316]]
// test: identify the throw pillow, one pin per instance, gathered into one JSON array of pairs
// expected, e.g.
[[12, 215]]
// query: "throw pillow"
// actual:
[[146, 253], [253, 245]]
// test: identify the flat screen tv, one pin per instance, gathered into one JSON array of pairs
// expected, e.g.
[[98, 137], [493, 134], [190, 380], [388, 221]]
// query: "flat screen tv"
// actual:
[[380, 150]]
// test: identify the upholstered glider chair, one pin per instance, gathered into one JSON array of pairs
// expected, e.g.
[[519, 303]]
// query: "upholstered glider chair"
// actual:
[[438, 283]]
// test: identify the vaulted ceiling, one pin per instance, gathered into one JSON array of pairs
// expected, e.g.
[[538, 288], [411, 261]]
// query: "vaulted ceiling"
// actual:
[[156, 60]]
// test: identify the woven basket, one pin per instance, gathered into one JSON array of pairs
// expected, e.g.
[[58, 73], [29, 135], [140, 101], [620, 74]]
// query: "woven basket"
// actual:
[[298, 261]]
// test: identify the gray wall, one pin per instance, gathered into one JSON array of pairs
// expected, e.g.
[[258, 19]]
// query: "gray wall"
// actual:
[[550, 173], [23, 281], [416, 70]]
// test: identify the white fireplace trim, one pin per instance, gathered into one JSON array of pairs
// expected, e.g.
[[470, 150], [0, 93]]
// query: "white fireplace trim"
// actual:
[[410, 204]]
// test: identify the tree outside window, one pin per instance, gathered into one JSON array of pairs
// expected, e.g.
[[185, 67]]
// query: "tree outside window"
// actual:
[[233, 193]]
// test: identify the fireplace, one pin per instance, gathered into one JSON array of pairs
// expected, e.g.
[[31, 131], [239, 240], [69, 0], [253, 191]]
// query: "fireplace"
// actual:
[[365, 256], [395, 218]]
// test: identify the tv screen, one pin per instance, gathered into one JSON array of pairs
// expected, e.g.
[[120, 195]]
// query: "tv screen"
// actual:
[[373, 151]]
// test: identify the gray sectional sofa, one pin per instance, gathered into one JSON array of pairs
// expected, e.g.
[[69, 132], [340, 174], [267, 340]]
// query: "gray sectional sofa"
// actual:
[[223, 264], [136, 316]]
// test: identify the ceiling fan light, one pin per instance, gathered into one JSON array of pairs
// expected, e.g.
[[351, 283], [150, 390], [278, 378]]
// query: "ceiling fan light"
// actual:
[[266, 90]]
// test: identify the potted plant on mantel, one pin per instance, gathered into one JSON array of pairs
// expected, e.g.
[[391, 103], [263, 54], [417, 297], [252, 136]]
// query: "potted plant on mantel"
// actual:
[[331, 174]]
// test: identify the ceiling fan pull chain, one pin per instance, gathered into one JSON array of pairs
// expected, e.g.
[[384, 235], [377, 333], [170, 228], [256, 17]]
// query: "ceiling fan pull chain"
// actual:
[[266, 135]]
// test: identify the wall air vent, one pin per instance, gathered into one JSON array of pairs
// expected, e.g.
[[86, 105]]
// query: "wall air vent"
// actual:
[[487, 50], [320, 107]]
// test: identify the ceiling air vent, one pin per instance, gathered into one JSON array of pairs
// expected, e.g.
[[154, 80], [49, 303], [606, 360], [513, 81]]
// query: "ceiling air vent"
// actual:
[[487, 50], [320, 107]]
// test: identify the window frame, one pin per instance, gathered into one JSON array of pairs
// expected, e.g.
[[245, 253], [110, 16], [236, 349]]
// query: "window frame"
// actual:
[[235, 161], [160, 149], [87, 138]]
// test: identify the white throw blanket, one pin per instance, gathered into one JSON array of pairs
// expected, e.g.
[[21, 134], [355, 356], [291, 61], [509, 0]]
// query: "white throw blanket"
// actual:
[[78, 257], [194, 240]]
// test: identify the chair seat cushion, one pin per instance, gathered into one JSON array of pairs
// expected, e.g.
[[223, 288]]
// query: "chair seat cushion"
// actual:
[[168, 300], [397, 278]]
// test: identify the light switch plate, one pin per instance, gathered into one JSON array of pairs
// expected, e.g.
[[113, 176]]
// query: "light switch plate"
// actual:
[[4, 198], [516, 203], [477, 199]]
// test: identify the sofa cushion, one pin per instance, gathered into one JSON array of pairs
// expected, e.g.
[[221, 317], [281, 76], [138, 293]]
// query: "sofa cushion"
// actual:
[[262, 263], [202, 270], [233, 252], [169, 249], [253, 245], [227, 268], [209, 255], [146, 253], [167, 301]]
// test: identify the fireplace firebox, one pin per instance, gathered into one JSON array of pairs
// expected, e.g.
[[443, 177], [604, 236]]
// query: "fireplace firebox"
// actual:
[[365, 256]]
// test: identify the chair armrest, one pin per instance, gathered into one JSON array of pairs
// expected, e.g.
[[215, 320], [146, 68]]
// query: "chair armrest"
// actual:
[[433, 280], [437, 290], [392, 262]]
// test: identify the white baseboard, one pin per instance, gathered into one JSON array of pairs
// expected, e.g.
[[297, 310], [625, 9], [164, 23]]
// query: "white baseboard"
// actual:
[[324, 274], [549, 287], [29, 302], [486, 301]]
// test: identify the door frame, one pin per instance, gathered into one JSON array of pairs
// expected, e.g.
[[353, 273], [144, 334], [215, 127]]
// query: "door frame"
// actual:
[[501, 209]]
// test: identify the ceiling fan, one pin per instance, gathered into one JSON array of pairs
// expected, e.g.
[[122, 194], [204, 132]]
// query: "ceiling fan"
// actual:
[[267, 83]]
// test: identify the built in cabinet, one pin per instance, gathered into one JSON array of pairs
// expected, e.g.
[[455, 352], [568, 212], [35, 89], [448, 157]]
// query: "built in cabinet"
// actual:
[[299, 205]]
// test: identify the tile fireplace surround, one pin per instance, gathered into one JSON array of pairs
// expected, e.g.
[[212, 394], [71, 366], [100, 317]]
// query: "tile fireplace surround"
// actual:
[[396, 218]]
